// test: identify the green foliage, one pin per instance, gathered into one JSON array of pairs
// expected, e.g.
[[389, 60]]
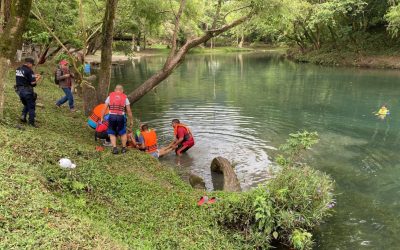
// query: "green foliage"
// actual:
[[286, 207], [301, 239], [295, 146], [393, 18], [61, 17], [124, 47]]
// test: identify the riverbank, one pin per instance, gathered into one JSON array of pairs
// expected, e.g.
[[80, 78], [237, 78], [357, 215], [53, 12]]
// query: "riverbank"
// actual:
[[107, 202], [118, 57], [346, 58]]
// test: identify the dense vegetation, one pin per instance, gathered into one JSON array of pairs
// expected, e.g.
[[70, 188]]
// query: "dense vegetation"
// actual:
[[287, 207]]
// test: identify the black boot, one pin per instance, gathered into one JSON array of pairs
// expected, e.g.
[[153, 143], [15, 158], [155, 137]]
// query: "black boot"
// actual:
[[115, 150], [33, 125], [23, 119]]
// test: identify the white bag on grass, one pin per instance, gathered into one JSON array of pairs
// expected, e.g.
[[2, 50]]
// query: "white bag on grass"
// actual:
[[66, 163]]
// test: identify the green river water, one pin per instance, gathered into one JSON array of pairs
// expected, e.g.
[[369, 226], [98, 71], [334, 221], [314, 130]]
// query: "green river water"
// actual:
[[243, 106]]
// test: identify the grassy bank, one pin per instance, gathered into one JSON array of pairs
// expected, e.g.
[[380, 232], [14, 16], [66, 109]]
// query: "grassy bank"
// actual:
[[132, 201], [362, 59], [108, 202]]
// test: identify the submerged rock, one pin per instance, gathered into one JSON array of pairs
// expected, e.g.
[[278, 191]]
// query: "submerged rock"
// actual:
[[197, 182]]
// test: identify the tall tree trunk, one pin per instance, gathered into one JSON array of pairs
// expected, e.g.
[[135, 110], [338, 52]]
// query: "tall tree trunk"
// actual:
[[144, 40], [240, 45], [5, 13], [43, 55], [133, 45], [11, 39], [106, 50]]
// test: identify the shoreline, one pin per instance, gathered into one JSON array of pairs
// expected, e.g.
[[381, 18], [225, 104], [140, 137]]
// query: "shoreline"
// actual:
[[120, 58], [345, 59]]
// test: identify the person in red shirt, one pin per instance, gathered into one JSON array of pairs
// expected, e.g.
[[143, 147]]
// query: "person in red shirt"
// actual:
[[183, 140]]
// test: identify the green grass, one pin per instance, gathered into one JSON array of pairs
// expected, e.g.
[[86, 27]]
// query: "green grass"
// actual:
[[199, 50], [107, 202]]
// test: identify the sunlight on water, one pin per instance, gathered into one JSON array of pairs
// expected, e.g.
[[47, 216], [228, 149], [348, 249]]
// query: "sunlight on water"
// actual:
[[243, 106]]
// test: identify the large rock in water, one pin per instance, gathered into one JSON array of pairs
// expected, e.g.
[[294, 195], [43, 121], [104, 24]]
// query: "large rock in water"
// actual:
[[197, 182], [231, 182]]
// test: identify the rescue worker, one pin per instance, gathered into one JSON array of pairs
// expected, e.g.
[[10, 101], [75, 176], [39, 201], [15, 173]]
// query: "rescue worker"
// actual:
[[101, 132], [26, 80], [118, 105], [66, 81], [148, 142], [183, 137]]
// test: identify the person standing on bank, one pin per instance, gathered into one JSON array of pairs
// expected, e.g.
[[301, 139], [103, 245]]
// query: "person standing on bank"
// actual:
[[66, 81], [118, 104], [26, 80]]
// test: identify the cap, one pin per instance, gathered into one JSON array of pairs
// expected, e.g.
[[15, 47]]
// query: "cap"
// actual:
[[29, 60], [64, 62]]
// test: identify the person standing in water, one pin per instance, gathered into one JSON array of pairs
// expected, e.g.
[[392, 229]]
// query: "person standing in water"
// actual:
[[183, 137], [118, 105]]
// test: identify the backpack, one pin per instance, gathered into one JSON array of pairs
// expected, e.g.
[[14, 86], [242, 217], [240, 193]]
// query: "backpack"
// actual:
[[57, 82]]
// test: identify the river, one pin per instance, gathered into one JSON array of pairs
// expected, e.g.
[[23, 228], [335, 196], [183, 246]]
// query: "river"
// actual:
[[243, 106]]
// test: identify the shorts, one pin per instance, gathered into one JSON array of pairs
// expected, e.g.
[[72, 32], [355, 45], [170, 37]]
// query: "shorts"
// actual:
[[117, 125], [184, 146]]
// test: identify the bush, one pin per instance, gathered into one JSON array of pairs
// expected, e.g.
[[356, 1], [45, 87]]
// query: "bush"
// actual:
[[287, 207], [123, 46]]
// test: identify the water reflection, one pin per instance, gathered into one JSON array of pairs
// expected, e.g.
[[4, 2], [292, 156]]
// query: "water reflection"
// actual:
[[243, 106]]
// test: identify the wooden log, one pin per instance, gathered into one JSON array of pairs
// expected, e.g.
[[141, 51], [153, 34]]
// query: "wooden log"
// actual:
[[231, 182]]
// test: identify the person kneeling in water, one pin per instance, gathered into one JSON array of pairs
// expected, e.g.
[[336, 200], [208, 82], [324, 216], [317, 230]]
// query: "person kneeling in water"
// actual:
[[183, 137], [148, 142]]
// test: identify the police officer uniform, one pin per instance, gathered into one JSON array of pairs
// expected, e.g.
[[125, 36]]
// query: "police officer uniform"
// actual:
[[25, 82]]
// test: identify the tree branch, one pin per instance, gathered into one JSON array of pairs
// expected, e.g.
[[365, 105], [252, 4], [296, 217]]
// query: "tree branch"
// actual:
[[176, 30], [41, 20], [177, 58], [93, 33], [241, 8]]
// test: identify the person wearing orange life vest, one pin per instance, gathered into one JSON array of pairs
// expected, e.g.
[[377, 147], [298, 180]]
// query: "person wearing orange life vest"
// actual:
[[183, 137], [148, 142], [117, 103]]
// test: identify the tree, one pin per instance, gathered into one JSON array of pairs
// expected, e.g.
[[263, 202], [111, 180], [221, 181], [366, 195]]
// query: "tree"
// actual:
[[177, 55], [393, 18], [106, 50], [14, 20]]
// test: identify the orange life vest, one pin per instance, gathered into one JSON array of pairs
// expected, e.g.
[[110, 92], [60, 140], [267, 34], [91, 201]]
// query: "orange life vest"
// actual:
[[117, 103], [188, 133], [150, 140], [96, 114]]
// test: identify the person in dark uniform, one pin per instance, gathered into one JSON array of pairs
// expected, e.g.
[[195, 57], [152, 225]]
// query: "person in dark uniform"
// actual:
[[26, 80]]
